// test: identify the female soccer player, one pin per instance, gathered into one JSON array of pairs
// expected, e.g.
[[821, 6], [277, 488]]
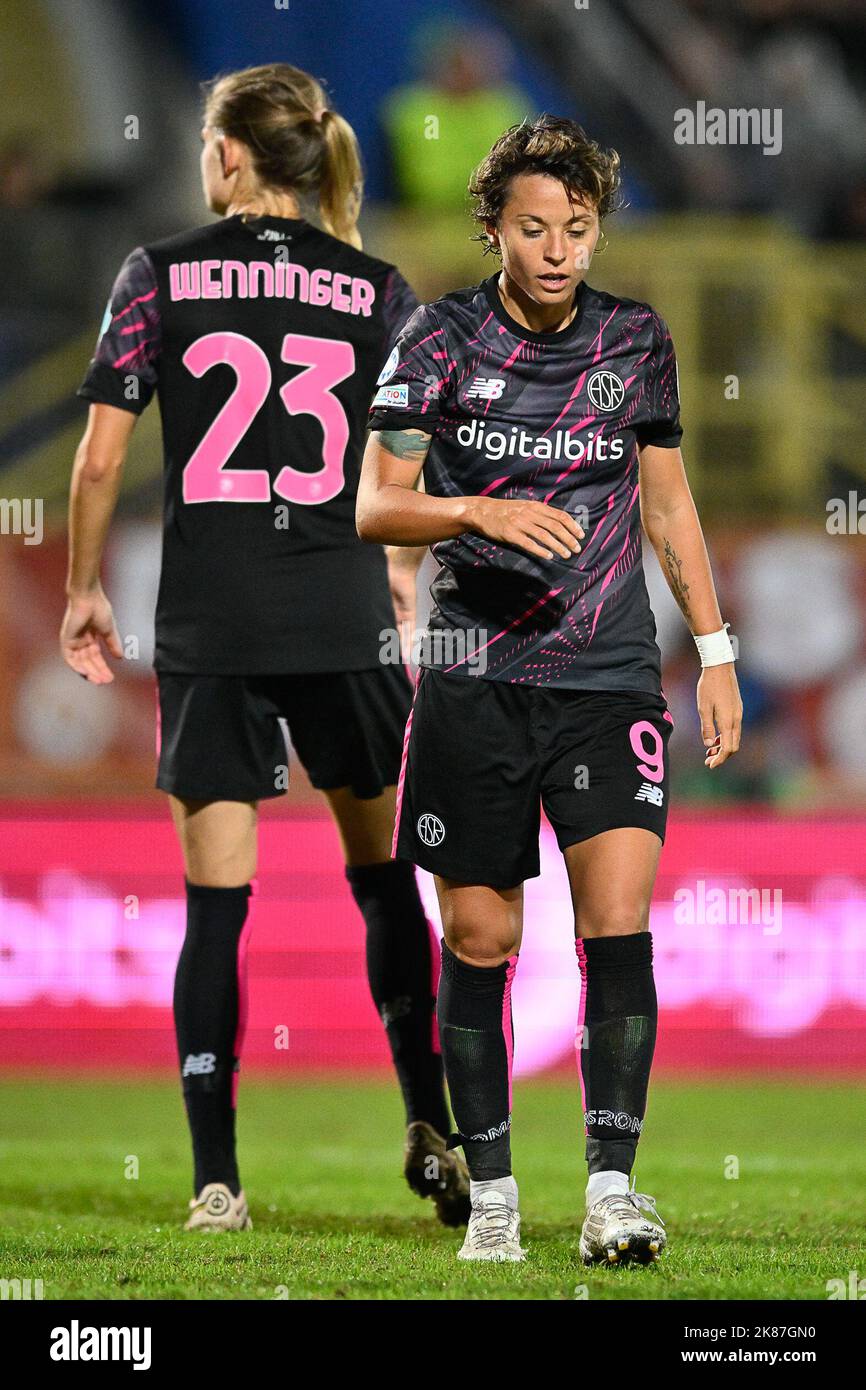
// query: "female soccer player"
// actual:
[[545, 416], [262, 336]]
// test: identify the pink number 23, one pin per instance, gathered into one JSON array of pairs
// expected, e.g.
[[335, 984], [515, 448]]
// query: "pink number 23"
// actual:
[[327, 360]]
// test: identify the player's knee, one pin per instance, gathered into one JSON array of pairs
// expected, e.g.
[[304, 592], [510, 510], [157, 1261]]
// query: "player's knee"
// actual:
[[219, 866], [485, 946], [619, 921]]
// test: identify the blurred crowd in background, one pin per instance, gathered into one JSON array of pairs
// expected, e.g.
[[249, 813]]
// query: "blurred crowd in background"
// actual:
[[756, 260]]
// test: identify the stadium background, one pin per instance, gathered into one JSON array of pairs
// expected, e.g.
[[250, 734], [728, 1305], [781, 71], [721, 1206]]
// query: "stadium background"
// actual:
[[757, 261]]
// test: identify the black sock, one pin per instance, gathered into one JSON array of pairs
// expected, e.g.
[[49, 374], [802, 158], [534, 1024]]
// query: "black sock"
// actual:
[[477, 1043], [210, 1017], [403, 983], [620, 1014]]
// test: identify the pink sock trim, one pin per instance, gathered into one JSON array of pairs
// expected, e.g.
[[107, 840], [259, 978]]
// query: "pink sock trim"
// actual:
[[507, 1026], [435, 972], [581, 1015]]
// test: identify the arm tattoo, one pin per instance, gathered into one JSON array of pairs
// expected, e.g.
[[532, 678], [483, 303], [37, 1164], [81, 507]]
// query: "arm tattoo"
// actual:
[[411, 445], [679, 587]]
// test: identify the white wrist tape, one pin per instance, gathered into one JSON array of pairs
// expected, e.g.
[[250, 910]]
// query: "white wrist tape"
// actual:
[[715, 647]]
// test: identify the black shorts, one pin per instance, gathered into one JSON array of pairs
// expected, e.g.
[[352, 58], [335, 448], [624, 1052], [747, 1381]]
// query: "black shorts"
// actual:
[[221, 738], [481, 756]]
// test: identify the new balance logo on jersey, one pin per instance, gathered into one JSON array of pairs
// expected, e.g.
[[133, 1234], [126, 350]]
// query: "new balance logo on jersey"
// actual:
[[486, 388], [199, 1064], [647, 792]]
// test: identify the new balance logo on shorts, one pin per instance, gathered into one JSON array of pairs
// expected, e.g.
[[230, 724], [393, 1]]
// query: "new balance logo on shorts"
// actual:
[[647, 792], [199, 1064]]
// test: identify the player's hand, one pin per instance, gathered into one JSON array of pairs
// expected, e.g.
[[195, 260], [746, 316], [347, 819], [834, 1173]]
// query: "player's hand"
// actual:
[[87, 623], [721, 712], [532, 526]]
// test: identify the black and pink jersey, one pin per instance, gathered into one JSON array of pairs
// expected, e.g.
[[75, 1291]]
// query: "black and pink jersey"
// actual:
[[263, 338], [557, 418]]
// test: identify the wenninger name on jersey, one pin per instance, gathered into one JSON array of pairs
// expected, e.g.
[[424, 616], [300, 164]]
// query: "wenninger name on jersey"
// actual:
[[277, 279]]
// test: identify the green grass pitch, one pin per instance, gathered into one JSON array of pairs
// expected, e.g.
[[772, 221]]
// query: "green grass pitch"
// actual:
[[320, 1161]]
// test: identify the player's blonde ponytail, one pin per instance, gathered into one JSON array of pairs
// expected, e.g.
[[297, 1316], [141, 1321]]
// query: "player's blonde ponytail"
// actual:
[[341, 188], [297, 142]]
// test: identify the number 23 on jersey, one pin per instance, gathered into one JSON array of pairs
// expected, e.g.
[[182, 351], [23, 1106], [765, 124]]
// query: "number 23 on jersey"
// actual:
[[328, 361]]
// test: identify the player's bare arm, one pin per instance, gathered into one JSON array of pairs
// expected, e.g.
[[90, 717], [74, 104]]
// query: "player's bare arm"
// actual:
[[390, 509], [404, 562], [671, 522], [96, 477]]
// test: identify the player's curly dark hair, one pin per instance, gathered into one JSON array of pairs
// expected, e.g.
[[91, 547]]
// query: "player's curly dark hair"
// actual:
[[550, 145]]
